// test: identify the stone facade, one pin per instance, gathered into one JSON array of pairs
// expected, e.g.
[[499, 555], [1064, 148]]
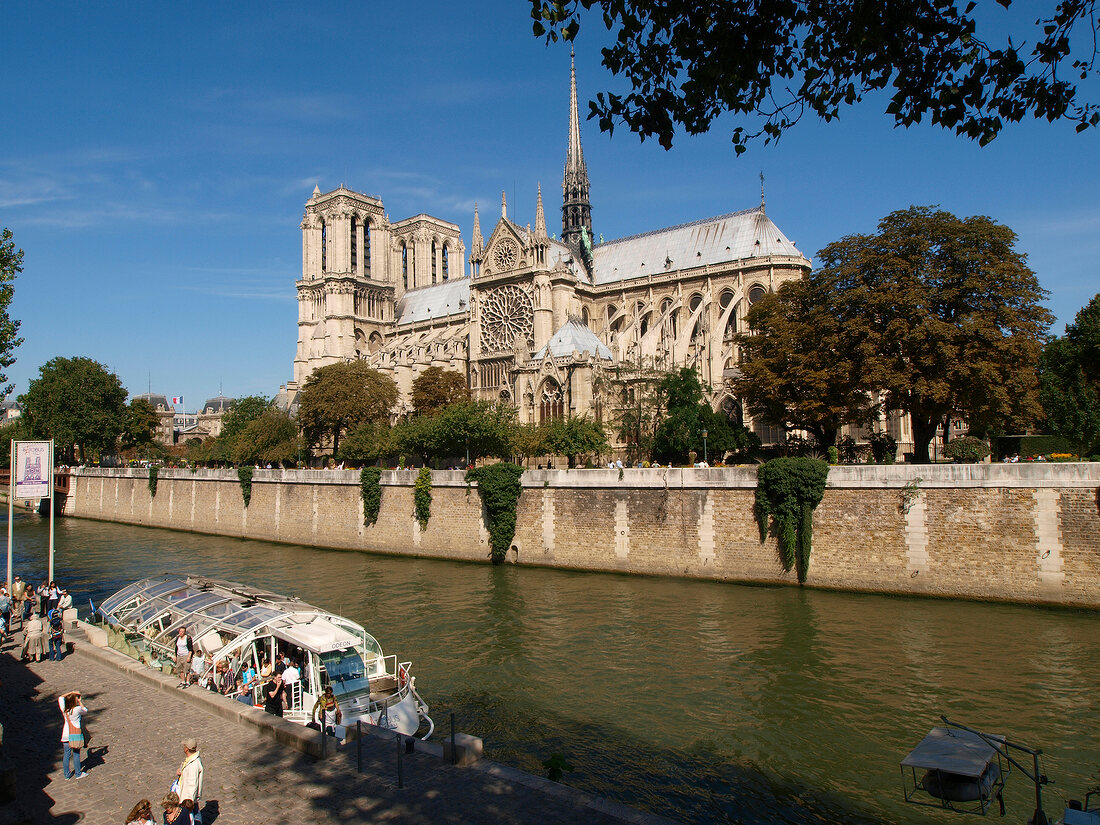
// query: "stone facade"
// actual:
[[1025, 533], [537, 321]]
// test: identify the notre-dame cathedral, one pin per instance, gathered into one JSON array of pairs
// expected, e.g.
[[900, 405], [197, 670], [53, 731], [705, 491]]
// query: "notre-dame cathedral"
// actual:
[[530, 319]]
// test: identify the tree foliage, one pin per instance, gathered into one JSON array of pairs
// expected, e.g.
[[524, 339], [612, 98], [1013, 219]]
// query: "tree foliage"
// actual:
[[951, 314], [422, 497], [271, 438], [241, 413], [1069, 381], [804, 364], [340, 396], [77, 402], [436, 388], [788, 490], [573, 438], [370, 487], [139, 424], [687, 415], [689, 62], [11, 264], [967, 449], [474, 428]]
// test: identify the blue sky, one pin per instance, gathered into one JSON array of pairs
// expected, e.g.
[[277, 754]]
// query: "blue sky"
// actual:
[[157, 157]]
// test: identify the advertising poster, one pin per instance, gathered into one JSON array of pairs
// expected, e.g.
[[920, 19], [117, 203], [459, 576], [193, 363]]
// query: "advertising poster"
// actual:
[[33, 469]]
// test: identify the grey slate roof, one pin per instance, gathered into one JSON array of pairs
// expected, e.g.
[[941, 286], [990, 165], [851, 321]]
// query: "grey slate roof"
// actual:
[[435, 301], [574, 336], [732, 237]]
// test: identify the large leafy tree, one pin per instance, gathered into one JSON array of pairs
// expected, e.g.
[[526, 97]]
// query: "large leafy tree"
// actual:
[[952, 313], [436, 388], [11, 264], [804, 365], [687, 62], [77, 402], [270, 438], [340, 396], [687, 416], [1069, 380], [139, 424], [241, 413], [574, 437], [473, 429]]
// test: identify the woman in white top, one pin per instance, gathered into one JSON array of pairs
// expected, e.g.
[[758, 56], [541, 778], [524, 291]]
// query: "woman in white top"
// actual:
[[72, 736]]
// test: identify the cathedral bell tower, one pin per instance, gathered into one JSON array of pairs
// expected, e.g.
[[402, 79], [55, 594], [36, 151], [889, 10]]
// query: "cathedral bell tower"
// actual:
[[576, 209]]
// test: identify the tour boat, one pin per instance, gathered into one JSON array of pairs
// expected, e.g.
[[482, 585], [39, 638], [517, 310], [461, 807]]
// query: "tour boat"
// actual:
[[249, 627]]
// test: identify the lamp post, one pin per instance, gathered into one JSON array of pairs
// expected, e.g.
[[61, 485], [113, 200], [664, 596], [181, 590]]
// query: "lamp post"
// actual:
[[704, 446]]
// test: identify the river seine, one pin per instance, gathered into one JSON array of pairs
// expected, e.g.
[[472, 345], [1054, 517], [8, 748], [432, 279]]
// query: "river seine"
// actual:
[[699, 701]]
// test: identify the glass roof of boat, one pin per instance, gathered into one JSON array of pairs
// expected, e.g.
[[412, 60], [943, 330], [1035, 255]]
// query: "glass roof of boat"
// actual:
[[158, 606]]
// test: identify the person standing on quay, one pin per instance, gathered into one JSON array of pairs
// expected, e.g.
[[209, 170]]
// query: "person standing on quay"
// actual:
[[190, 779], [18, 593], [275, 694], [72, 735], [141, 814], [185, 649], [57, 634]]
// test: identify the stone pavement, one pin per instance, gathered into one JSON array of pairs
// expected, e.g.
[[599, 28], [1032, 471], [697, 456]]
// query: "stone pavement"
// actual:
[[250, 779]]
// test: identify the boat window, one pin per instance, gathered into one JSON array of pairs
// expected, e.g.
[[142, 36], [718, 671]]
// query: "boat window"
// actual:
[[200, 601], [161, 588], [253, 617], [120, 598], [346, 672]]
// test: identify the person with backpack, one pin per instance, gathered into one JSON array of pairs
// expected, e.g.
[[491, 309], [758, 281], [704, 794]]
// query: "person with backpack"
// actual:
[[57, 634], [185, 650]]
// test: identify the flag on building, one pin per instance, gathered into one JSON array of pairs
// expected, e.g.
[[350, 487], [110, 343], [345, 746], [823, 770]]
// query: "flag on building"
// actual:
[[177, 399]]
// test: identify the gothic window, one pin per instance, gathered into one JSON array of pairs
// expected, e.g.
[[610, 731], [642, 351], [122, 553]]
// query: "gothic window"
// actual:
[[725, 298], [552, 401], [643, 324], [507, 316], [354, 244], [667, 312], [584, 315], [446, 263], [693, 304], [366, 248], [732, 323], [324, 247], [405, 265], [756, 293], [433, 263]]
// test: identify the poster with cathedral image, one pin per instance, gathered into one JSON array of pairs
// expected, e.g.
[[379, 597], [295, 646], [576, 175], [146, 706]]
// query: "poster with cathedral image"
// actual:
[[33, 463]]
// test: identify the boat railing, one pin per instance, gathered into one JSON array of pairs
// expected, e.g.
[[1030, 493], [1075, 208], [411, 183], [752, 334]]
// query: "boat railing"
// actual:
[[295, 709]]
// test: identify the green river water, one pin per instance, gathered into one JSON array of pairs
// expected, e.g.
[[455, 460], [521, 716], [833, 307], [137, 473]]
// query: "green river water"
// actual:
[[699, 701]]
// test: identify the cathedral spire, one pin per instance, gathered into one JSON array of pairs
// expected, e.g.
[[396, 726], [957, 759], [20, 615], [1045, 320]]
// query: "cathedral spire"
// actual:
[[576, 209], [540, 217], [476, 241], [504, 205]]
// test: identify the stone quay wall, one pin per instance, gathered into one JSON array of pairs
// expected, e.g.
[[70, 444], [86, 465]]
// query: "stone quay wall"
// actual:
[[1011, 532]]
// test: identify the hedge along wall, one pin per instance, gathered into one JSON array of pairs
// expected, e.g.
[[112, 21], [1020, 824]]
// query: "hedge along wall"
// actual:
[[1018, 532]]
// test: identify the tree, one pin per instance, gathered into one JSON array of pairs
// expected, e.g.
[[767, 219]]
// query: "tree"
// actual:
[[803, 366], [339, 396], [689, 62], [11, 263], [474, 429], [139, 424], [371, 441], [687, 416], [271, 438], [436, 388], [1069, 381], [951, 311], [574, 437], [78, 403], [241, 413]]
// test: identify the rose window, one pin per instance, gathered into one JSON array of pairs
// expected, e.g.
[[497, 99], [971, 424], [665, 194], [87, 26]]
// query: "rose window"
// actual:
[[506, 314], [505, 256]]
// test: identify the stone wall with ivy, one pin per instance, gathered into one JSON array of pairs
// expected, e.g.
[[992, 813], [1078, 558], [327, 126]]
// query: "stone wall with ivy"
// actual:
[[1028, 533]]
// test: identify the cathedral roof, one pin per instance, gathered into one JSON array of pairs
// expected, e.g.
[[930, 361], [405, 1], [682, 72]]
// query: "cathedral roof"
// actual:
[[732, 237], [435, 301], [574, 336]]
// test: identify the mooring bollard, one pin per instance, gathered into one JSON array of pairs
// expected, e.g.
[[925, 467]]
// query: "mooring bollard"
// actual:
[[359, 745], [454, 751], [400, 764]]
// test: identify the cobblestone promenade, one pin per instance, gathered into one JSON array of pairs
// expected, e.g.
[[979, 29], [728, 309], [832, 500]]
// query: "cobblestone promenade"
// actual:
[[250, 779]]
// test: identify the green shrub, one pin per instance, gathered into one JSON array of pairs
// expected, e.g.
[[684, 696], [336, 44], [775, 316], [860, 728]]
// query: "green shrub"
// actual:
[[370, 487], [153, 481], [788, 490], [1032, 445], [422, 496], [244, 475], [883, 447], [966, 449], [834, 455], [499, 488]]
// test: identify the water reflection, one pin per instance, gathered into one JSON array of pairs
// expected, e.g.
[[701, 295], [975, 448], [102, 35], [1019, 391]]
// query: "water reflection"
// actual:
[[703, 702]]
